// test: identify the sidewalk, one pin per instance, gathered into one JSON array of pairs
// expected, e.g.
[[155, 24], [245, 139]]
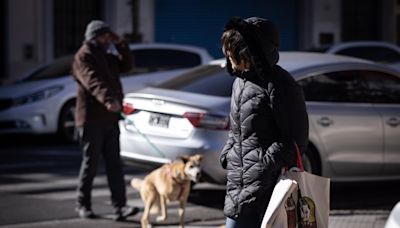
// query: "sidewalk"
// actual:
[[337, 219], [358, 218]]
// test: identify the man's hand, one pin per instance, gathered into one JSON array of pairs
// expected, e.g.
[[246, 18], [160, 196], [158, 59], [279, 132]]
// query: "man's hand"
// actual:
[[114, 106], [115, 38]]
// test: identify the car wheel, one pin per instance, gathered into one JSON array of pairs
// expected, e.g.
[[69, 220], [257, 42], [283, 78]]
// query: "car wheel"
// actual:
[[311, 161], [66, 125]]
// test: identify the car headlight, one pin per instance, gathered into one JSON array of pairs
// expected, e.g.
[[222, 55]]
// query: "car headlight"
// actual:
[[38, 96]]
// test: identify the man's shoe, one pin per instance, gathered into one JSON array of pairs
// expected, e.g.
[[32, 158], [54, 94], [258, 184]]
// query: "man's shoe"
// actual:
[[122, 213], [85, 213]]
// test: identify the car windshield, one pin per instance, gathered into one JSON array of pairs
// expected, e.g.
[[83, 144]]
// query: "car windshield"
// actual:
[[208, 80], [58, 68]]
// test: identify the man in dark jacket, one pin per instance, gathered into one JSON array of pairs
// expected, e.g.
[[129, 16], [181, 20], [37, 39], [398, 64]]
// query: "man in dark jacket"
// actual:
[[99, 101], [268, 116]]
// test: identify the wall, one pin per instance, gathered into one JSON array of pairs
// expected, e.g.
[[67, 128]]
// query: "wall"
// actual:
[[201, 22], [119, 15], [326, 22], [3, 44], [23, 36], [146, 16]]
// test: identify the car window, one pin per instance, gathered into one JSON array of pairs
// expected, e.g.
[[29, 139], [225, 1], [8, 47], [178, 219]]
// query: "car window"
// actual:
[[153, 60], [384, 88], [209, 80], [58, 68], [341, 86], [377, 54]]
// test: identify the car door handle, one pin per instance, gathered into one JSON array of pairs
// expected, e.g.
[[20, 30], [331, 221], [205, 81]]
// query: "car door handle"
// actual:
[[393, 122], [325, 122]]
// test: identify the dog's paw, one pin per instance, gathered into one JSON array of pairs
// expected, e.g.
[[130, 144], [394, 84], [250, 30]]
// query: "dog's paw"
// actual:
[[161, 219]]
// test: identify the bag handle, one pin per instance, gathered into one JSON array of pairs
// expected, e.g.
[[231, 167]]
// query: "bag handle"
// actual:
[[298, 155], [299, 162]]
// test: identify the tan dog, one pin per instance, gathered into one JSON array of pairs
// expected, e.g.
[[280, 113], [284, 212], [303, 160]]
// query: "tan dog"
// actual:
[[170, 182]]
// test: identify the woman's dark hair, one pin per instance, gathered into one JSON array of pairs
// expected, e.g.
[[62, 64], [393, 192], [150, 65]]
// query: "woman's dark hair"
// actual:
[[233, 42]]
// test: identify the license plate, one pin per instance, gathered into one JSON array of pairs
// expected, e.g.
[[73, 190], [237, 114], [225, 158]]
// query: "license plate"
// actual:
[[159, 120]]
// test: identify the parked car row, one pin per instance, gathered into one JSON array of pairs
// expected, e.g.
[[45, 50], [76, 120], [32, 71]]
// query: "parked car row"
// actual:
[[353, 107], [44, 101]]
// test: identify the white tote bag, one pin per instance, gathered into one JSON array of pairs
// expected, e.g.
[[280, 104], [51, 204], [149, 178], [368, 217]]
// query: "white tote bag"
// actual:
[[275, 215], [305, 207]]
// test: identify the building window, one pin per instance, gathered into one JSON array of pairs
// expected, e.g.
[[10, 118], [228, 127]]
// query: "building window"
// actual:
[[70, 20]]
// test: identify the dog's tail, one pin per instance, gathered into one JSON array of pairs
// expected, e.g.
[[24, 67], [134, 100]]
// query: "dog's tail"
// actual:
[[136, 183]]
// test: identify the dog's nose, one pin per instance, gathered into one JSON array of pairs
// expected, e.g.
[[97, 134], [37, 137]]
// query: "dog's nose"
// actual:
[[198, 175]]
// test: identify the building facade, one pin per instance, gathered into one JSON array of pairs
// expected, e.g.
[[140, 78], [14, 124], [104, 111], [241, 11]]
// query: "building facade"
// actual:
[[43, 30]]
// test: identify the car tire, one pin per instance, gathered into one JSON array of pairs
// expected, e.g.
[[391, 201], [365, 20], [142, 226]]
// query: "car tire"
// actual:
[[311, 160], [66, 123]]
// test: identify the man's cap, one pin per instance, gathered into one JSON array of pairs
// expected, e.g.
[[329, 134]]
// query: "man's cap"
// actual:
[[96, 28]]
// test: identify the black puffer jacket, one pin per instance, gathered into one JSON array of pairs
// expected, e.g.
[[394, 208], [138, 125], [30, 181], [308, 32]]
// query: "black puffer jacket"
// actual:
[[268, 115]]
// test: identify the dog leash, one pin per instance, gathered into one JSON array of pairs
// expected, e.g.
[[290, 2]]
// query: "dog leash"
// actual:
[[143, 135]]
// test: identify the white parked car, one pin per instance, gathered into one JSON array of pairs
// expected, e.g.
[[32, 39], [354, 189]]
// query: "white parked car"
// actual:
[[377, 51], [44, 101]]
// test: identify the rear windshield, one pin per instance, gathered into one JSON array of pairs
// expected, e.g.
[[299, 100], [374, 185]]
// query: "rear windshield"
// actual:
[[209, 80], [160, 59]]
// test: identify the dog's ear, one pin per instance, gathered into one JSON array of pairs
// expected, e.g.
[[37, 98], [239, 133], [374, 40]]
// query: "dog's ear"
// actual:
[[200, 157], [184, 158], [197, 157]]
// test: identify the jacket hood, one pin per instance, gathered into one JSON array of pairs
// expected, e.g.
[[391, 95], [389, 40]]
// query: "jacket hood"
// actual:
[[262, 39]]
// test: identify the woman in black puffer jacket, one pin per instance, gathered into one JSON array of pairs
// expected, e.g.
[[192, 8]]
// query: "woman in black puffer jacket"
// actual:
[[268, 116]]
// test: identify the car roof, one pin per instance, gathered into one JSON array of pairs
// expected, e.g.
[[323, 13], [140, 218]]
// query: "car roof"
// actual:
[[183, 47], [294, 60], [67, 60], [339, 46], [299, 63], [135, 46], [165, 45]]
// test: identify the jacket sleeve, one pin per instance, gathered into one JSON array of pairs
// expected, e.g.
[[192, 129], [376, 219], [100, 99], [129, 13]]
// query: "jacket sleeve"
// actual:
[[289, 110], [225, 150], [93, 80], [125, 57]]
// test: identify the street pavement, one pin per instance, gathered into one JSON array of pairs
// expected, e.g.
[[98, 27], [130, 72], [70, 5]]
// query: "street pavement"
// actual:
[[38, 182], [38, 203]]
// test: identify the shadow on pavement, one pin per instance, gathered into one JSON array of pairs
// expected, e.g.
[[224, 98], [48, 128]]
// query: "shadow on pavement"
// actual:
[[213, 198], [382, 195], [22, 140]]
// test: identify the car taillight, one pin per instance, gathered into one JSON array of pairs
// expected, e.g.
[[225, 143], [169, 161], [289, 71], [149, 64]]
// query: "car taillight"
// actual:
[[128, 108], [207, 121]]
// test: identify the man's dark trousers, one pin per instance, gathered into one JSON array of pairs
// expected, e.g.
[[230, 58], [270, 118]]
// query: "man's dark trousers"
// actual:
[[95, 140]]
